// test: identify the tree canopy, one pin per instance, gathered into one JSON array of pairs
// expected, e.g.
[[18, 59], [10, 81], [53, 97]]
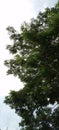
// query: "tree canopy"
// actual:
[[35, 61]]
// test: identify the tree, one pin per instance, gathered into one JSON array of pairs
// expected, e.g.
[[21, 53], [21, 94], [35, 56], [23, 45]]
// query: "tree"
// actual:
[[36, 63]]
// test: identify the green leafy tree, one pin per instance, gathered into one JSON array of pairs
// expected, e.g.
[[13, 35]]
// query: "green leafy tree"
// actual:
[[35, 61]]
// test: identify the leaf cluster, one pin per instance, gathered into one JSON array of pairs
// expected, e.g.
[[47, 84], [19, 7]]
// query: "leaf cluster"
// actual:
[[36, 63]]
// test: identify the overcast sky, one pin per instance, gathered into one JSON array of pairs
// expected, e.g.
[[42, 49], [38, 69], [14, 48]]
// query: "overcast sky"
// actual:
[[13, 13]]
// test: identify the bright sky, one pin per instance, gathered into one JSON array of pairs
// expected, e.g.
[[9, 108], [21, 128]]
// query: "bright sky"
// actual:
[[13, 13]]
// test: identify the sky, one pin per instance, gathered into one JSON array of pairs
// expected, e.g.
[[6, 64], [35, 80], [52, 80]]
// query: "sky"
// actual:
[[8, 118], [13, 13]]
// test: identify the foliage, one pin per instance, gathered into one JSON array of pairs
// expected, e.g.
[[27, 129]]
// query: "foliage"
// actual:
[[36, 63]]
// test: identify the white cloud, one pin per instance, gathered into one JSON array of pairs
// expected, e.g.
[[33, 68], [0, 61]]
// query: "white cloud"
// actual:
[[14, 11]]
